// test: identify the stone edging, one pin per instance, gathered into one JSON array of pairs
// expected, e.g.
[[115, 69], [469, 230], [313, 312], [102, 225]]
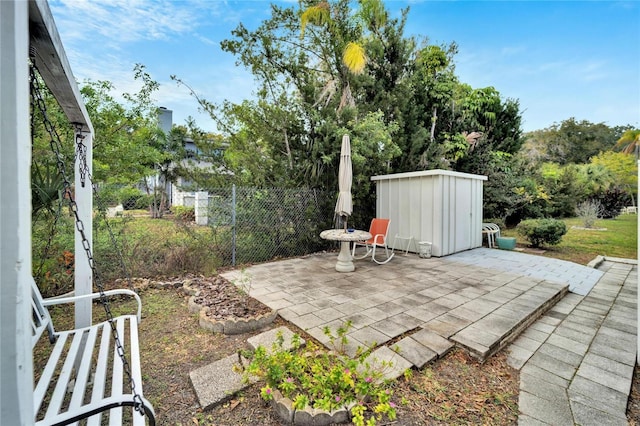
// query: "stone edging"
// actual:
[[309, 416], [228, 326]]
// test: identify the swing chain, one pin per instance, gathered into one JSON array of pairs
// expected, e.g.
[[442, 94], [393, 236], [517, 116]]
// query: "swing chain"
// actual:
[[84, 172], [81, 154], [56, 147]]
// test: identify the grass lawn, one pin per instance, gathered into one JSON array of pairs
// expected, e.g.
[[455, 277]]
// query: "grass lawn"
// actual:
[[609, 237]]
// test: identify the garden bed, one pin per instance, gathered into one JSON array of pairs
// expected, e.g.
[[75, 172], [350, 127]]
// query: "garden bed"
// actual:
[[224, 308]]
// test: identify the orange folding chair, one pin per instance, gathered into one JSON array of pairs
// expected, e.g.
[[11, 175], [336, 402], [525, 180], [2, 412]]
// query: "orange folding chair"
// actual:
[[378, 231]]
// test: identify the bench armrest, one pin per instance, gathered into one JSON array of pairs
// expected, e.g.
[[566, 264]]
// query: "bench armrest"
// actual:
[[71, 299], [101, 406]]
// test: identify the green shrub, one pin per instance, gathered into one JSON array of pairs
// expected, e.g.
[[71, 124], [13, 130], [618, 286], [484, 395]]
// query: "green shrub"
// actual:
[[131, 202], [542, 231], [142, 202], [612, 201], [324, 380], [185, 214]]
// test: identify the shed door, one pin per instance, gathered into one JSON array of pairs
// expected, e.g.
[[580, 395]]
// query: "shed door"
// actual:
[[462, 215]]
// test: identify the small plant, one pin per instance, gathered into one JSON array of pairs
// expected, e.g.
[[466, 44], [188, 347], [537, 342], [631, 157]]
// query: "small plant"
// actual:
[[540, 232], [589, 211], [244, 283], [326, 380]]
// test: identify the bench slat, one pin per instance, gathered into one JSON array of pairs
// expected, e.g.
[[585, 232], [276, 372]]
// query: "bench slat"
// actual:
[[39, 392], [84, 369], [60, 389], [136, 370], [117, 373], [101, 373]]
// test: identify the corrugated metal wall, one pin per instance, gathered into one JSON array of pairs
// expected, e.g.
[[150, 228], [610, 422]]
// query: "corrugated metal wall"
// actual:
[[439, 206]]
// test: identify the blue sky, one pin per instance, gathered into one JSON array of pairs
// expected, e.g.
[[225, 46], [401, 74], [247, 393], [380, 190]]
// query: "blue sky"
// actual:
[[559, 59]]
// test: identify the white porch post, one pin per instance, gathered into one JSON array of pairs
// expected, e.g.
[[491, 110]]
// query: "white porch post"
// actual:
[[16, 370], [84, 200]]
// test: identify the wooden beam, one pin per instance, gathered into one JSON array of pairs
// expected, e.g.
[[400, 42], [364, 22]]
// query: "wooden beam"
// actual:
[[53, 64]]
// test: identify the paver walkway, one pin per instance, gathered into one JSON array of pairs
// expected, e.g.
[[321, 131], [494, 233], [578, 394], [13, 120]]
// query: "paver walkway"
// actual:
[[576, 362], [581, 279]]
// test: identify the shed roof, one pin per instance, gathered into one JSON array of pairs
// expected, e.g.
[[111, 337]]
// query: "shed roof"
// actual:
[[422, 173]]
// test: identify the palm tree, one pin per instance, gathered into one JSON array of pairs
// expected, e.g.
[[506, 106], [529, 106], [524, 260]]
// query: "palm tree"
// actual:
[[354, 58], [630, 142]]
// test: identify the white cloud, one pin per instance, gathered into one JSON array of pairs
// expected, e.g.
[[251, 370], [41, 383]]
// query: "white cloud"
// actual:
[[127, 20]]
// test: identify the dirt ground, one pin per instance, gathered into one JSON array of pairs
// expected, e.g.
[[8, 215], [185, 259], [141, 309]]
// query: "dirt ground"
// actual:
[[454, 390]]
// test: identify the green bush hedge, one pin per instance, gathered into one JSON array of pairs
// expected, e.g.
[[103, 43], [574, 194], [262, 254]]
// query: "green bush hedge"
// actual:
[[541, 232]]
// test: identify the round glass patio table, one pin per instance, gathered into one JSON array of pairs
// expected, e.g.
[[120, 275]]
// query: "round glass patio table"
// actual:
[[345, 261]]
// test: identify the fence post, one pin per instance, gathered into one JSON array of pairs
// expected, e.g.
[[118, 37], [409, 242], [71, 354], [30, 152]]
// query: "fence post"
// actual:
[[202, 207], [233, 224]]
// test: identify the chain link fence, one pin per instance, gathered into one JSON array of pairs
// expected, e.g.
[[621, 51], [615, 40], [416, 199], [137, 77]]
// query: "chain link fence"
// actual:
[[256, 225], [241, 226]]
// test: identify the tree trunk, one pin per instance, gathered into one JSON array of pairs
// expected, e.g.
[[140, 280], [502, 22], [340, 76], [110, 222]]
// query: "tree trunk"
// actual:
[[434, 118], [288, 148]]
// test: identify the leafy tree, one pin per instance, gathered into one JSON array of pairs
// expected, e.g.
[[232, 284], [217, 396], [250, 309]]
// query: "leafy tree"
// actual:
[[46, 181], [629, 142], [123, 152], [327, 68], [561, 185], [623, 169], [488, 124], [504, 192], [594, 178], [570, 141], [302, 61]]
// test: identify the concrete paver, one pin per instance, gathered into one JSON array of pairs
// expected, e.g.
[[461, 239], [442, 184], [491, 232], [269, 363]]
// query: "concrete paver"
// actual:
[[268, 338], [414, 352], [215, 383], [389, 363], [586, 415], [555, 412], [433, 341]]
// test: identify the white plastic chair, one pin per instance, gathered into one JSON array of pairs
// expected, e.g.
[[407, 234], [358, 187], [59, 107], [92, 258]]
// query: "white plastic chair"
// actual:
[[492, 231]]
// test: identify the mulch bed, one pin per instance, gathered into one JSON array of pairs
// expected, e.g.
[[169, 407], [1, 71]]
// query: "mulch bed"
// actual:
[[225, 300]]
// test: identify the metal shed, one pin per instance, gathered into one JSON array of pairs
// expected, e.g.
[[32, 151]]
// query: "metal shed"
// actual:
[[439, 206]]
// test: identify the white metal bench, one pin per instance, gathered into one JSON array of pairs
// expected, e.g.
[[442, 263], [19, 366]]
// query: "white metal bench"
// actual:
[[85, 376]]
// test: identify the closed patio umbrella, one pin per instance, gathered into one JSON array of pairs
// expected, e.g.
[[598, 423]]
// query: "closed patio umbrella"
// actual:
[[344, 205]]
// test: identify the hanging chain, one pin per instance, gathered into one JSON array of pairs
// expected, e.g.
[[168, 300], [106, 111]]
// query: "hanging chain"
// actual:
[[81, 155], [56, 147]]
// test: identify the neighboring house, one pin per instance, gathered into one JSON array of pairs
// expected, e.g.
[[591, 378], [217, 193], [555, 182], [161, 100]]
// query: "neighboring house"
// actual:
[[182, 192]]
